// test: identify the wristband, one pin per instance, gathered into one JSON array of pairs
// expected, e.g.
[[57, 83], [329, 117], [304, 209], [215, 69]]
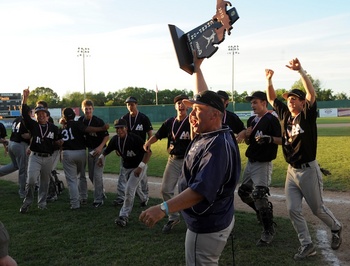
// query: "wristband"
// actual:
[[101, 156], [302, 72], [269, 82], [142, 165], [164, 207]]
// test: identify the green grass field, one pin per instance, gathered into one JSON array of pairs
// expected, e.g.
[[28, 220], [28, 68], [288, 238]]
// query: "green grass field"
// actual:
[[88, 236]]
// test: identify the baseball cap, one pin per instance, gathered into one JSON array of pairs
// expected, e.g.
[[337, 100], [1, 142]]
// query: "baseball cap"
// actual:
[[223, 95], [180, 97], [296, 92], [209, 98], [131, 99], [258, 95], [4, 241], [68, 113], [41, 108], [120, 123]]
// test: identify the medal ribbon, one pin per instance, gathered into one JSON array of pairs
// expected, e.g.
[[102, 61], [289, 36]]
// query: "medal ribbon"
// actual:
[[132, 127], [122, 150], [258, 120], [178, 130], [41, 131]]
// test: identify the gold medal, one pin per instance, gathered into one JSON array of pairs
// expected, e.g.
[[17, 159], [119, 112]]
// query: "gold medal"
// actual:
[[290, 140]]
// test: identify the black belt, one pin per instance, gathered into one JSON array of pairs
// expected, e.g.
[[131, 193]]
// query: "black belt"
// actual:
[[42, 154], [300, 166], [176, 156]]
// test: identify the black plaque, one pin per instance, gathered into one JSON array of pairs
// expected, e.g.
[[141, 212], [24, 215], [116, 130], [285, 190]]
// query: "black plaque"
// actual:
[[204, 40]]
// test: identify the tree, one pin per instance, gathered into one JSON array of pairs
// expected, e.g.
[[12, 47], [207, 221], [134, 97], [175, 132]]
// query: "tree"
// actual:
[[239, 98], [167, 96], [341, 96], [44, 94], [321, 94], [72, 100], [98, 99]]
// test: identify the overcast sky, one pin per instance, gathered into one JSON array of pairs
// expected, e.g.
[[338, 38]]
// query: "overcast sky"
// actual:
[[130, 44]]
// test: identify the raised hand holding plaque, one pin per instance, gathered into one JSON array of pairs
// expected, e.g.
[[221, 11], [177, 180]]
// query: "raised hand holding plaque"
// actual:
[[205, 38]]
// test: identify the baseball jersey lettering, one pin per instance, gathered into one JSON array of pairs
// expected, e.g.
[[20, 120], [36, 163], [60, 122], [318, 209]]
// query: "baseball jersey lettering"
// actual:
[[50, 135], [139, 127], [130, 154], [15, 128], [296, 130], [185, 135], [67, 134], [258, 133]]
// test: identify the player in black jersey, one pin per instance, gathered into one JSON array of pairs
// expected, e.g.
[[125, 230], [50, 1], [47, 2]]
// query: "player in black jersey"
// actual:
[[231, 119], [139, 124], [3, 135], [95, 143], [129, 146], [44, 135], [74, 152], [52, 194], [262, 135], [17, 149], [177, 131], [299, 143]]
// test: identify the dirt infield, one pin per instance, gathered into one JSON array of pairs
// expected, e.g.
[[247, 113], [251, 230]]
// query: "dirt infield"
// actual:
[[337, 202]]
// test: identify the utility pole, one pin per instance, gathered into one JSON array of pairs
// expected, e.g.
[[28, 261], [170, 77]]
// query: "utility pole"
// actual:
[[233, 49], [84, 52]]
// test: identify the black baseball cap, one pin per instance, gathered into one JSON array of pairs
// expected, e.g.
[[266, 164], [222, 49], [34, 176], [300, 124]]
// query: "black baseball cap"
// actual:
[[41, 108], [209, 98], [180, 97], [131, 99], [296, 92], [120, 123], [68, 113], [258, 95], [223, 95]]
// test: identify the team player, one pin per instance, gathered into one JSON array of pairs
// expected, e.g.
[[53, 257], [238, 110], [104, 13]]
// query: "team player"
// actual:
[[74, 152], [17, 149], [44, 135], [95, 143], [209, 177], [3, 135], [52, 195], [130, 147], [139, 124], [262, 134], [177, 131], [231, 119], [299, 143]]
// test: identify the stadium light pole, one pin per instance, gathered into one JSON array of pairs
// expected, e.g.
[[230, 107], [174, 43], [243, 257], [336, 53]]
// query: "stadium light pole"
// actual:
[[84, 52], [233, 49]]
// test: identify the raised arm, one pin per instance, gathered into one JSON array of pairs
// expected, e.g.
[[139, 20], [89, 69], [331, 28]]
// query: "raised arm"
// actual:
[[270, 91], [295, 65], [25, 96], [200, 85]]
